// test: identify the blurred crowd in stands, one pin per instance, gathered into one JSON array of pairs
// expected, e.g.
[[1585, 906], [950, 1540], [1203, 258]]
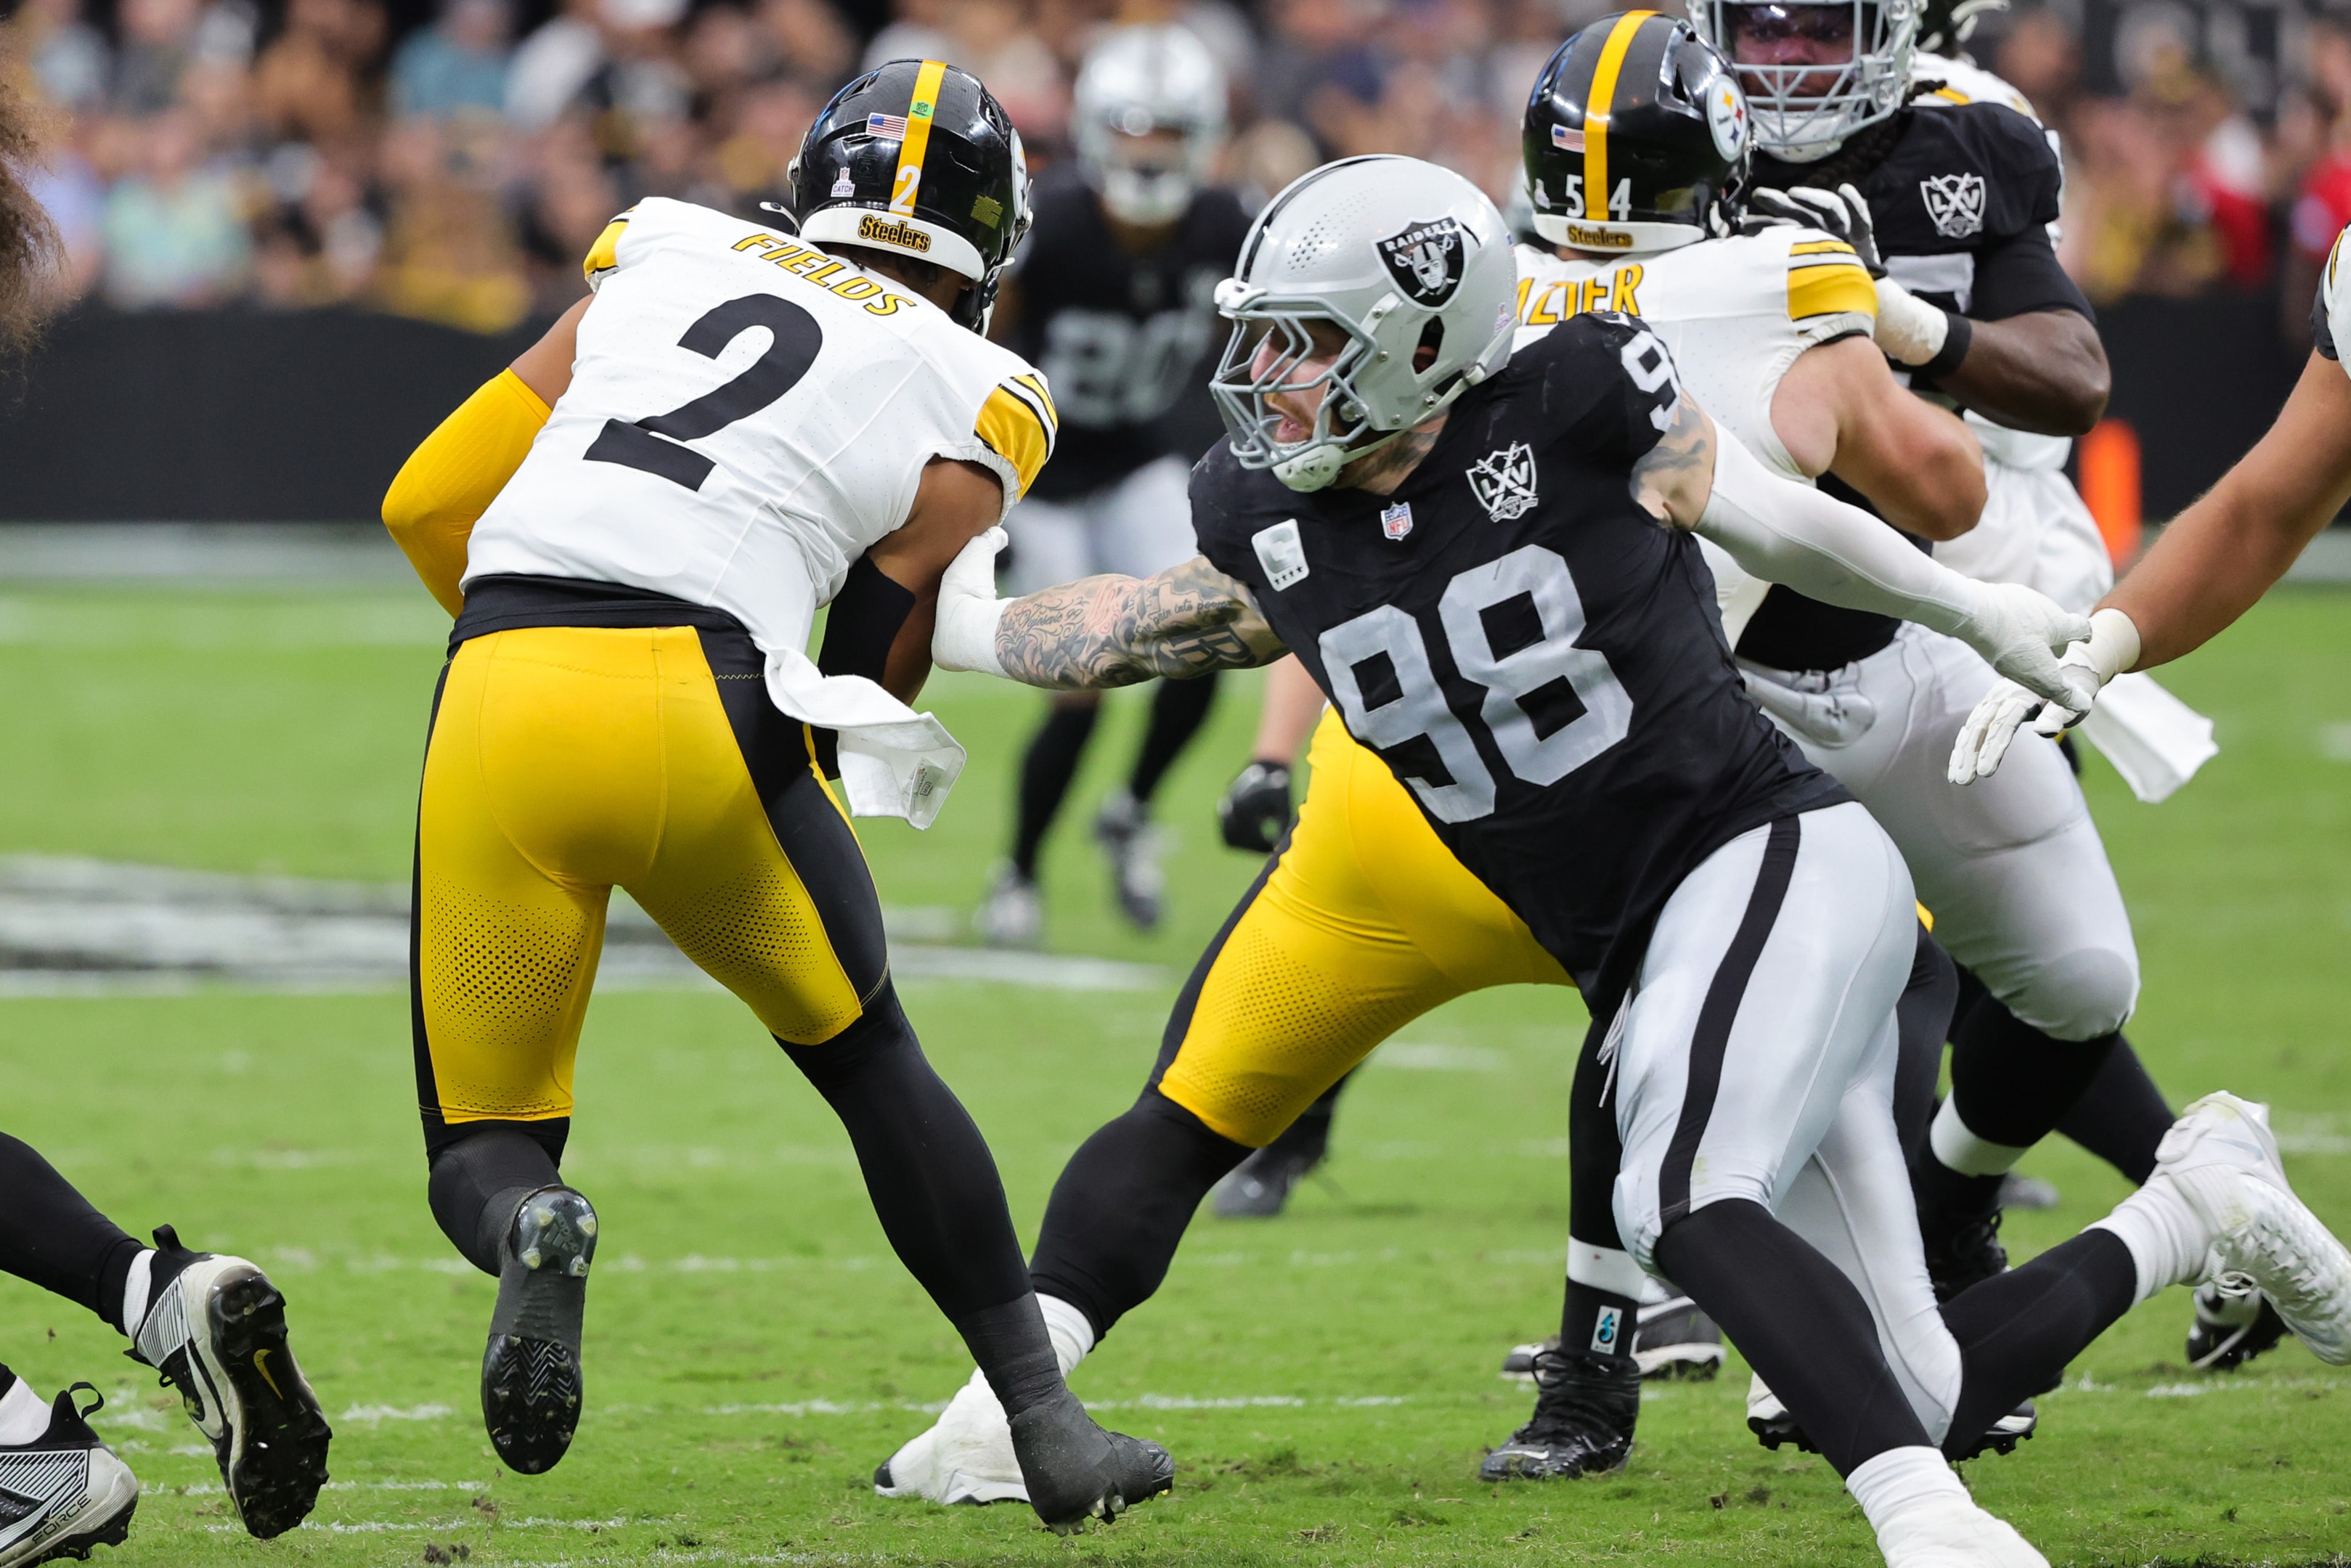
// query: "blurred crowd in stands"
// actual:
[[455, 165]]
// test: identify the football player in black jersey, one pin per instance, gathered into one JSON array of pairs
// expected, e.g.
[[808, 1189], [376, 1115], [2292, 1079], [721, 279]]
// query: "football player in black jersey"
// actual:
[[1110, 297], [1486, 561], [1952, 204], [214, 1326]]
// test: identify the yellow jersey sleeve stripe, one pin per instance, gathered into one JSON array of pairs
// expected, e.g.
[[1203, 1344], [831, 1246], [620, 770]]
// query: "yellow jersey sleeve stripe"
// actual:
[[1822, 247], [1830, 288], [1016, 431], [605, 254], [1595, 117], [918, 143], [1036, 383], [1951, 95], [1039, 408]]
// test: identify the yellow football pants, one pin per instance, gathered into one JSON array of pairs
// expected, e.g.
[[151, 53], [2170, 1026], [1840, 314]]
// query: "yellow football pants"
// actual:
[[1363, 922], [565, 761]]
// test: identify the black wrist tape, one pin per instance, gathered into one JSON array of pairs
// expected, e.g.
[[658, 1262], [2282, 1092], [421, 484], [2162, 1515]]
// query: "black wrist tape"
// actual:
[[1954, 349], [859, 629]]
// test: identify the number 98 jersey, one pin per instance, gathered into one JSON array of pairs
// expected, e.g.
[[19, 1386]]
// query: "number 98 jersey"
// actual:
[[748, 417], [1530, 651]]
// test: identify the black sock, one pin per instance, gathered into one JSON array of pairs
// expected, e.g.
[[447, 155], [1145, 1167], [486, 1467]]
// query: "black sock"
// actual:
[[51, 1236], [933, 1181], [1046, 770], [1595, 1322], [1308, 1139], [1922, 1019], [1122, 1206], [2011, 1082], [1014, 1351], [1178, 709], [2018, 1329], [479, 1179], [1799, 1323], [1948, 1195], [2122, 1116]]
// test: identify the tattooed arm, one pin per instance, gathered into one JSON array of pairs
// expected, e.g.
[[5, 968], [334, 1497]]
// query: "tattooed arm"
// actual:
[[1787, 532], [1098, 631]]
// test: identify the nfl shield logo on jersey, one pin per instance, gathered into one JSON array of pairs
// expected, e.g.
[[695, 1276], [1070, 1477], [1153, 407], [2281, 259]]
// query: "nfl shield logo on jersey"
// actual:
[[1955, 203], [1397, 521], [1505, 482], [1425, 260]]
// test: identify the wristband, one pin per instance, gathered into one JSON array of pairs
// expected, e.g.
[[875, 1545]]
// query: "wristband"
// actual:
[[1960, 332]]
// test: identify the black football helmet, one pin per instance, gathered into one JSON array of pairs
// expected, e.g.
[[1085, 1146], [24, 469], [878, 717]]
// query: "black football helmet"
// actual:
[[1635, 139], [917, 157]]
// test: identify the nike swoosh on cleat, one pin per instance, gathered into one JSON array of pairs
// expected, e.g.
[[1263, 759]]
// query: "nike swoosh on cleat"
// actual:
[[259, 1358]]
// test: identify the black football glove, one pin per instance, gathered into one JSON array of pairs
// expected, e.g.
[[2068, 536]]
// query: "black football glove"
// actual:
[[1842, 213], [1255, 810]]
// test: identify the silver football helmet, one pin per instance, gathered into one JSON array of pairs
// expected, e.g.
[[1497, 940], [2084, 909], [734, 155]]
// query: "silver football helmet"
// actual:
[[1137, 84], [1397, 255], [1804, 109]]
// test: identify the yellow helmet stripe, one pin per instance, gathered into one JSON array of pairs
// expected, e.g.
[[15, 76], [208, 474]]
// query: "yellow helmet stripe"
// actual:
[[919, 112], [1595, 112]]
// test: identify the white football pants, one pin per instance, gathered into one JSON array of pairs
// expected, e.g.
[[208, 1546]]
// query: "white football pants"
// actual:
[[1138, 526], [2011, 867]]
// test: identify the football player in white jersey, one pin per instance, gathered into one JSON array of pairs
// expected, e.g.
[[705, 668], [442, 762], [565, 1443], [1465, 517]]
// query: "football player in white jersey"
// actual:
[[634, 528]]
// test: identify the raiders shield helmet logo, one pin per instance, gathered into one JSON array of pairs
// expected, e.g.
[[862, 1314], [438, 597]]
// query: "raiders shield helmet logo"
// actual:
[[1504, 482], [1425, 260], [1955, 203]]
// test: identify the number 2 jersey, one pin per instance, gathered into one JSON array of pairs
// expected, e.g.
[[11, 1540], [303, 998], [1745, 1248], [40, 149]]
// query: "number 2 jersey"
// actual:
[[748, 417], [1532, 652]]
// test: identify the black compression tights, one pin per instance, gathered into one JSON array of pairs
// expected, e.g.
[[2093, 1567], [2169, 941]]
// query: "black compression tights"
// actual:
[[1122, 1206], [1178, 709], [1046, 770], [2018, 1329], [1799, 1323], [51, 1236]]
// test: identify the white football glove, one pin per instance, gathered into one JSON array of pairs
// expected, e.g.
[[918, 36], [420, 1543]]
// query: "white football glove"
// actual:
[[965, 636], [2019, 631], [2113, 646]]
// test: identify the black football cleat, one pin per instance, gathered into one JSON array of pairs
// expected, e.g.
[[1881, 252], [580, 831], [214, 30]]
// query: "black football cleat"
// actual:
[[1962, 1239], [1585, 1409], [1775, 1428], [1259, 1186], [531, 1383], [65, 1492], [1675, 1341], [2233, 1326], [1075, 1470], [216, 1329]]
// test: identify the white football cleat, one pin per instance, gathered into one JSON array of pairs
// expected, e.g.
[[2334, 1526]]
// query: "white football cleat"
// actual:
[[64, 1492], [1013, 914], [2223, 1159], [1952, 1532], [965, 1456]]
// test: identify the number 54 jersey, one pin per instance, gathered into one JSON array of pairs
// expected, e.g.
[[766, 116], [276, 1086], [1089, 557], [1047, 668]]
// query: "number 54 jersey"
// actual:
[[1536, 657], [748, 417]]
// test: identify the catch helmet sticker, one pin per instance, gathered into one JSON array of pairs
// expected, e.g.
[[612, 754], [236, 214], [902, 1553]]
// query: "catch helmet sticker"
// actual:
[[1425, 260]]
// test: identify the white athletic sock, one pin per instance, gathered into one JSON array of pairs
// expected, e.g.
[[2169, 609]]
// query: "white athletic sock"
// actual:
[[2167, 1241], [135, 1289], [1071, 1331], [1899, 1479], [24, 1415], [1608, 1268], [1965, 1153]]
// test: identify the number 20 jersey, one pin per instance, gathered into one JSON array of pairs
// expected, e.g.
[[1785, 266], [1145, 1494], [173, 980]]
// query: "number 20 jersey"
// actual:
[[748, 417], [1532, 654]]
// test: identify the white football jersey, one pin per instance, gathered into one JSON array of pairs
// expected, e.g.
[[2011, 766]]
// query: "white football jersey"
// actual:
[[1734, 313], [748, 417]]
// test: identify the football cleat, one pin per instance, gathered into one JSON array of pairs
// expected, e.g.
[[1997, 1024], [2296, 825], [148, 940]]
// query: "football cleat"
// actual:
[[1673, 1340], [216, 1329], [1078, 1472], [1259, 1186], [1962, 1247], [1013, 914], [1775, 1428], [1122, 827], [2018, 1190], [1520, 1362], [965, 1456], [2233, 1326], [531, 1383], [1953, 1532], [65, 1492], [1585, 1409], [2222, 1160]]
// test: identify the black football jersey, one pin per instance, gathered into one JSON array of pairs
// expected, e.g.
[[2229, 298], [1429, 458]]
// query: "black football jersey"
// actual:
[[1961, 199], [1533, 654], [1126, 342]]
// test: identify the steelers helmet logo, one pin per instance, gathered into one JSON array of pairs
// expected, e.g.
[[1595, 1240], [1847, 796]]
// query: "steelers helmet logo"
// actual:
[[1726, 116]]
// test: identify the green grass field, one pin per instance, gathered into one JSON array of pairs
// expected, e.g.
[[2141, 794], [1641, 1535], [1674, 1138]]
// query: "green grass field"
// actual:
[[1326, 1381]]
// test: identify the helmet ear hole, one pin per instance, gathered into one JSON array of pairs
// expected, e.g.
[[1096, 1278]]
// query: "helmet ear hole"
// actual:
[[1430, 347]]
